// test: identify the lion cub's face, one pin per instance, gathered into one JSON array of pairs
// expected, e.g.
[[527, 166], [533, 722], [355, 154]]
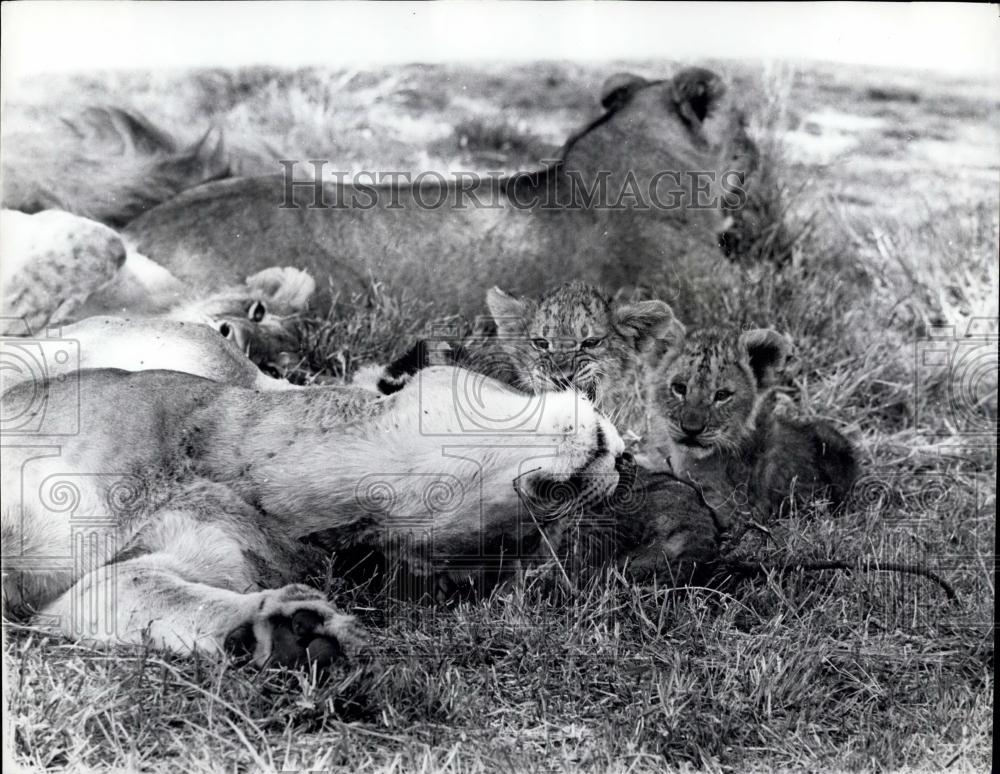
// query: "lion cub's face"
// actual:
[[703, 395], [575, 337]]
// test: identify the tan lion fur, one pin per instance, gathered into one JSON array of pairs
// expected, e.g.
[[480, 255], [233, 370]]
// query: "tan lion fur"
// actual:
[[105, 163], [58, 267], [450, 254], [148, 344], [190, 497]]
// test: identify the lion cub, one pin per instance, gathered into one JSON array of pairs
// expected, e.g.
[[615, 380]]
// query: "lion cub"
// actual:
[[712, 416], [573, 337]]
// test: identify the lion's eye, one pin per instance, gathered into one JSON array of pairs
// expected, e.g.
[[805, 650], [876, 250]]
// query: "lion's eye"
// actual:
[[590, 343], [680, 389], [540, 343], [721, 396], [256, 311]]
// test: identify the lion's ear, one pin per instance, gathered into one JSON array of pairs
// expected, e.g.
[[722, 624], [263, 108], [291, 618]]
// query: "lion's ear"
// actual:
[[649, 322], [696, 91], [508, 312], [287, 289], [619, 88], [766, 351], [211, 154]]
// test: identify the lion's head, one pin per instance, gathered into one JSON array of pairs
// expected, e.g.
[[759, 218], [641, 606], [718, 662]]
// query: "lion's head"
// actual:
[[677, 144], [704, 394], [258, 316], [575, 336]]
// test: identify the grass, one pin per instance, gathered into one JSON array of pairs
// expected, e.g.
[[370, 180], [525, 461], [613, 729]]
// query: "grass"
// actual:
[[861, 256]]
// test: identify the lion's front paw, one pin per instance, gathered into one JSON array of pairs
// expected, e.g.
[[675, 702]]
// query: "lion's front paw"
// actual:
[[295, 626]]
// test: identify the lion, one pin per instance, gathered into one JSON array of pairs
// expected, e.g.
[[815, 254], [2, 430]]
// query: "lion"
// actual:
[[139, 344], [164, 508], [576, 338], [105, 163], [643, 190], [706, 466], [59, 268], [697, 409], [713, 420], [260, 314]]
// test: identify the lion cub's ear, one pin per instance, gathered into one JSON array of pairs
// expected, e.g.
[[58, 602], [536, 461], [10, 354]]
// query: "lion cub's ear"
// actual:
[[649, 322], [619, 88], [766, 351], [508, 312]]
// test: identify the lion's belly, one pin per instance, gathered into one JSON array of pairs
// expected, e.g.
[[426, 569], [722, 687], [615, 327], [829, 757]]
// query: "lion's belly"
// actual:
[[77, 488], [56, 524]]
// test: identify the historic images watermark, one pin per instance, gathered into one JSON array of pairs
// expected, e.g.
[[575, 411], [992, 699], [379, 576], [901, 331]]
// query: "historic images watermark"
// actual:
[[45, 370], [549, 189], [959, 366]]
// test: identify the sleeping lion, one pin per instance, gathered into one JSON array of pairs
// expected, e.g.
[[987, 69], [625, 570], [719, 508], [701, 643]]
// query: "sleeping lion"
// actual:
[[167, 508]]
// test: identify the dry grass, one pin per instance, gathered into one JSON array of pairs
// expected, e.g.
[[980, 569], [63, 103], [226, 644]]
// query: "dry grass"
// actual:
[[858, 253]]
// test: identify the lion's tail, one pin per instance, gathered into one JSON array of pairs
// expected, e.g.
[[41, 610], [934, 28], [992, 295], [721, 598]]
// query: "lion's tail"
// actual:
[[107, 164]]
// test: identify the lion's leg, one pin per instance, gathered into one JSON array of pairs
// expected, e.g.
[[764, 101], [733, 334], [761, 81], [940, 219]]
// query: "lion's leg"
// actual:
[[142, 286], [197, 589]]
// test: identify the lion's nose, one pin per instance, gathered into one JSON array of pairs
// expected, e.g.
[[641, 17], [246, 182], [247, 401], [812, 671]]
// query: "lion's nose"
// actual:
[[692, 423], [692, 428]]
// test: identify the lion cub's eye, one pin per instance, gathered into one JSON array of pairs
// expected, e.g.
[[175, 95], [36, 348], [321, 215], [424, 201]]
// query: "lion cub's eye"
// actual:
[[590, 343], [722, 396], [680, 389], [540, 343]]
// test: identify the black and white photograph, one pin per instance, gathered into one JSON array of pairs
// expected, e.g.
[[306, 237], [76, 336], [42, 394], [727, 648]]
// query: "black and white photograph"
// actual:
[[499, 386]]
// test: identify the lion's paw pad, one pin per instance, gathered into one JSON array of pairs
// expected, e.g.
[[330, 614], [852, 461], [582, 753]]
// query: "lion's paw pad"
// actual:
[[300, 641], [295, 627]]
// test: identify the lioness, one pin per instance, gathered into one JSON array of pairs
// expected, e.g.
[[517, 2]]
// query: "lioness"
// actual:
[[646, 186], [139, 344], [576, 337], [59, 267], [164, 507]]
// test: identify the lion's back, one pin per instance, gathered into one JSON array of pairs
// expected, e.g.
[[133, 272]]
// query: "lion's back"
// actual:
[[179, 233], [806, 459]]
